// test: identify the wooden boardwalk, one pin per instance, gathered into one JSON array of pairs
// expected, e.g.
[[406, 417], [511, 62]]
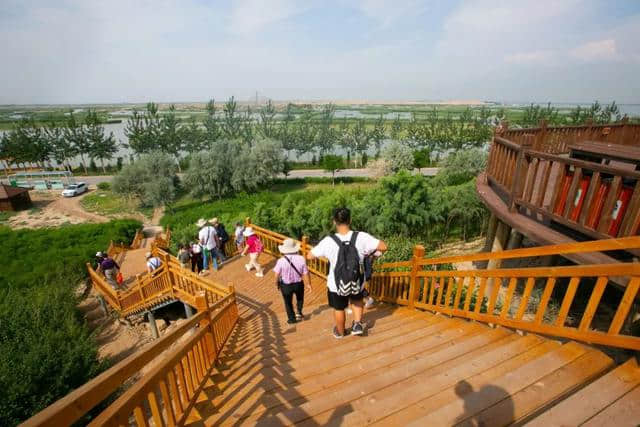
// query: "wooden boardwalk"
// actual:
[[412, 367]]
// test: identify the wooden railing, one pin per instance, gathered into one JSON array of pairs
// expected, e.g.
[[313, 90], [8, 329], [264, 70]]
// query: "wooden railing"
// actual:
[[167, 283], [556, 140], [166, 394], [115, 249], [519, 297], [271, 240], [177, 366], [597, 200]]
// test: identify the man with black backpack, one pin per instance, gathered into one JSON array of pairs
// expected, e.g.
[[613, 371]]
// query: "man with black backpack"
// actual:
[[346, 251]]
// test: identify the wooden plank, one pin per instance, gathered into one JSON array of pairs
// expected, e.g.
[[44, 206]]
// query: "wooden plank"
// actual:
[[573, 190], [428, 403], [155, 409], [624, 412], [507, 302], [625, 305], [544, 300], [593, 303], [554, 386], [593, 399], [459, 286], [470, 288], [480, 296], [524, 300], [542, 189], [567, 301], [632, 215], [530, 185], [594, 185], [493, 298], [558, 187], [605, 221], [501, 388], [141, 419]]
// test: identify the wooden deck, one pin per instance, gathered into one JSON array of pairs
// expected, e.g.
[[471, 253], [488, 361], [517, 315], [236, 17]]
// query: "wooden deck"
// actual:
[[412, 367]]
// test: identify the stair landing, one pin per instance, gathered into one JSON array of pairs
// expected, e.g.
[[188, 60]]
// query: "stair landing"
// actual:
[[411, 368]]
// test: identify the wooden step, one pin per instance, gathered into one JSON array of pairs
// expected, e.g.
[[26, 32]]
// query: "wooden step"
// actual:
[[588, 404], [274, 391], [355, 388], [474, 402]]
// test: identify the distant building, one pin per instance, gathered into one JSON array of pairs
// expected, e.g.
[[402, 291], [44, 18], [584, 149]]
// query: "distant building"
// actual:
[[14, 198]]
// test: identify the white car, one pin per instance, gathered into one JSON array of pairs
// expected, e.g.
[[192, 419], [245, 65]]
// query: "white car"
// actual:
[[74, 189]]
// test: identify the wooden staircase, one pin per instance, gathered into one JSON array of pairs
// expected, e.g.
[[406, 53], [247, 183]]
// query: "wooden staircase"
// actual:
[[442, 347]]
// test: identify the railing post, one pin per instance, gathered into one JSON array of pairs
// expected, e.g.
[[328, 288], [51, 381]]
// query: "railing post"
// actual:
[[232, 288], [247, 221], [152, 324], [542, 134], [303, 246], [418, 254], [203, 305]]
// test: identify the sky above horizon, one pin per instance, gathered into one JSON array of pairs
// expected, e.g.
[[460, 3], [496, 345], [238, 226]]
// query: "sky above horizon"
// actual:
[[86, 51]]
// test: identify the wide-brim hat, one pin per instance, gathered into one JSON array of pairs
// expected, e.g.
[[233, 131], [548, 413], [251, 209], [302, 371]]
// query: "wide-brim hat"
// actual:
[[248, 232], [148, 255], [289, 246], [213, 220], [201, 222], [99, 254]]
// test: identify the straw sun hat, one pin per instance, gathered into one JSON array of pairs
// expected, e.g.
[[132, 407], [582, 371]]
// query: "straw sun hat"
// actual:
[[247, 232], [289, 247], [201, 222], [213, 220]]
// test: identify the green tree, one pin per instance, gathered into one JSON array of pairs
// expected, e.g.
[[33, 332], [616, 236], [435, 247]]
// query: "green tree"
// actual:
[[267, 125], [193, 138], [143, 130], [152, 179], [326, 136], [232, 121], [332, 163], [170, 140], [378, 134], [462, 166], [359, 139], [396, 129], [257, 164], [212, 127], [102, 147], [63, 150], [397, 156], [421, 159], [306, 131]]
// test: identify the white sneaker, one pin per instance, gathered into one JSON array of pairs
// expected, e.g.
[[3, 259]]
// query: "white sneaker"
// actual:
[[248, 267], [348, 310], [258, 274], [369, 303]]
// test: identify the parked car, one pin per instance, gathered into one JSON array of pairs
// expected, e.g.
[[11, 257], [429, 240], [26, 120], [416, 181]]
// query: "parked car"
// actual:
[[74, 189]]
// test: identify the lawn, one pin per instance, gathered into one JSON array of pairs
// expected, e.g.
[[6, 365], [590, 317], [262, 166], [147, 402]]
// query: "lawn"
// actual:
[[107, 203]]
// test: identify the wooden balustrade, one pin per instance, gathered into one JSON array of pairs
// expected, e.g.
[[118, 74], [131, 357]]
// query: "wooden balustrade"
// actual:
[[271, 240], [163, 395], [166, 394], [556, 140], [598, 200], [506, 296]]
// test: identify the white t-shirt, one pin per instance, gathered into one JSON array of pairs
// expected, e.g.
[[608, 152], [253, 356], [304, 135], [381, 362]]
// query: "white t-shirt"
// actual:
[[239, 236], [154, 263], [207, 236], [366, 244]]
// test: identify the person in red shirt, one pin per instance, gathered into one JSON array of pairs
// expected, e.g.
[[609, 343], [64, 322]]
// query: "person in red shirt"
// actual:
[[253, 247]]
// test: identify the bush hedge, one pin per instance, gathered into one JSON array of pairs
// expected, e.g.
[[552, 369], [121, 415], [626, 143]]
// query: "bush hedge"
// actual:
[[46, 349]]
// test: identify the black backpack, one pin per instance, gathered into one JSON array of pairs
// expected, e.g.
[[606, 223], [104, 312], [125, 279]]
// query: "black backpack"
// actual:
[[222, 233], [347, 271]]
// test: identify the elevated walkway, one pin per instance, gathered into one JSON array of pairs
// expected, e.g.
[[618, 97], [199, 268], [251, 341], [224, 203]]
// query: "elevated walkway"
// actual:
[[442, 347]]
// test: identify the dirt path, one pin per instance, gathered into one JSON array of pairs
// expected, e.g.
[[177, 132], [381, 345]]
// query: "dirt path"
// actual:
[[50, 209]]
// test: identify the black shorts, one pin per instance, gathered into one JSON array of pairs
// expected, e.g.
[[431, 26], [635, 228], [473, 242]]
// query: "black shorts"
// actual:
[[338, 302]]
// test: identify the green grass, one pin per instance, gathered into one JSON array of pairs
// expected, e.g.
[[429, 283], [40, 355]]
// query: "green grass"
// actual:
[[46, 349], [5, 215], [107, 203]]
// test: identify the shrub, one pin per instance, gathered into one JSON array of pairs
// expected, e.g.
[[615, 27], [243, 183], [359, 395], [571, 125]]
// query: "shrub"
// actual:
[[46, 350], [104, 186], [397, 156], [151, 179], [462, 166]]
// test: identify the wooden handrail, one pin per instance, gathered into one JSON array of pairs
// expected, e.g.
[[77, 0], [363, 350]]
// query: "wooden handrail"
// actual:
[[76, 404]]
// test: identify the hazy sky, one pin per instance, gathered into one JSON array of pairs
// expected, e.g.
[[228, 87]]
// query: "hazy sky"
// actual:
[[79, 51]]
